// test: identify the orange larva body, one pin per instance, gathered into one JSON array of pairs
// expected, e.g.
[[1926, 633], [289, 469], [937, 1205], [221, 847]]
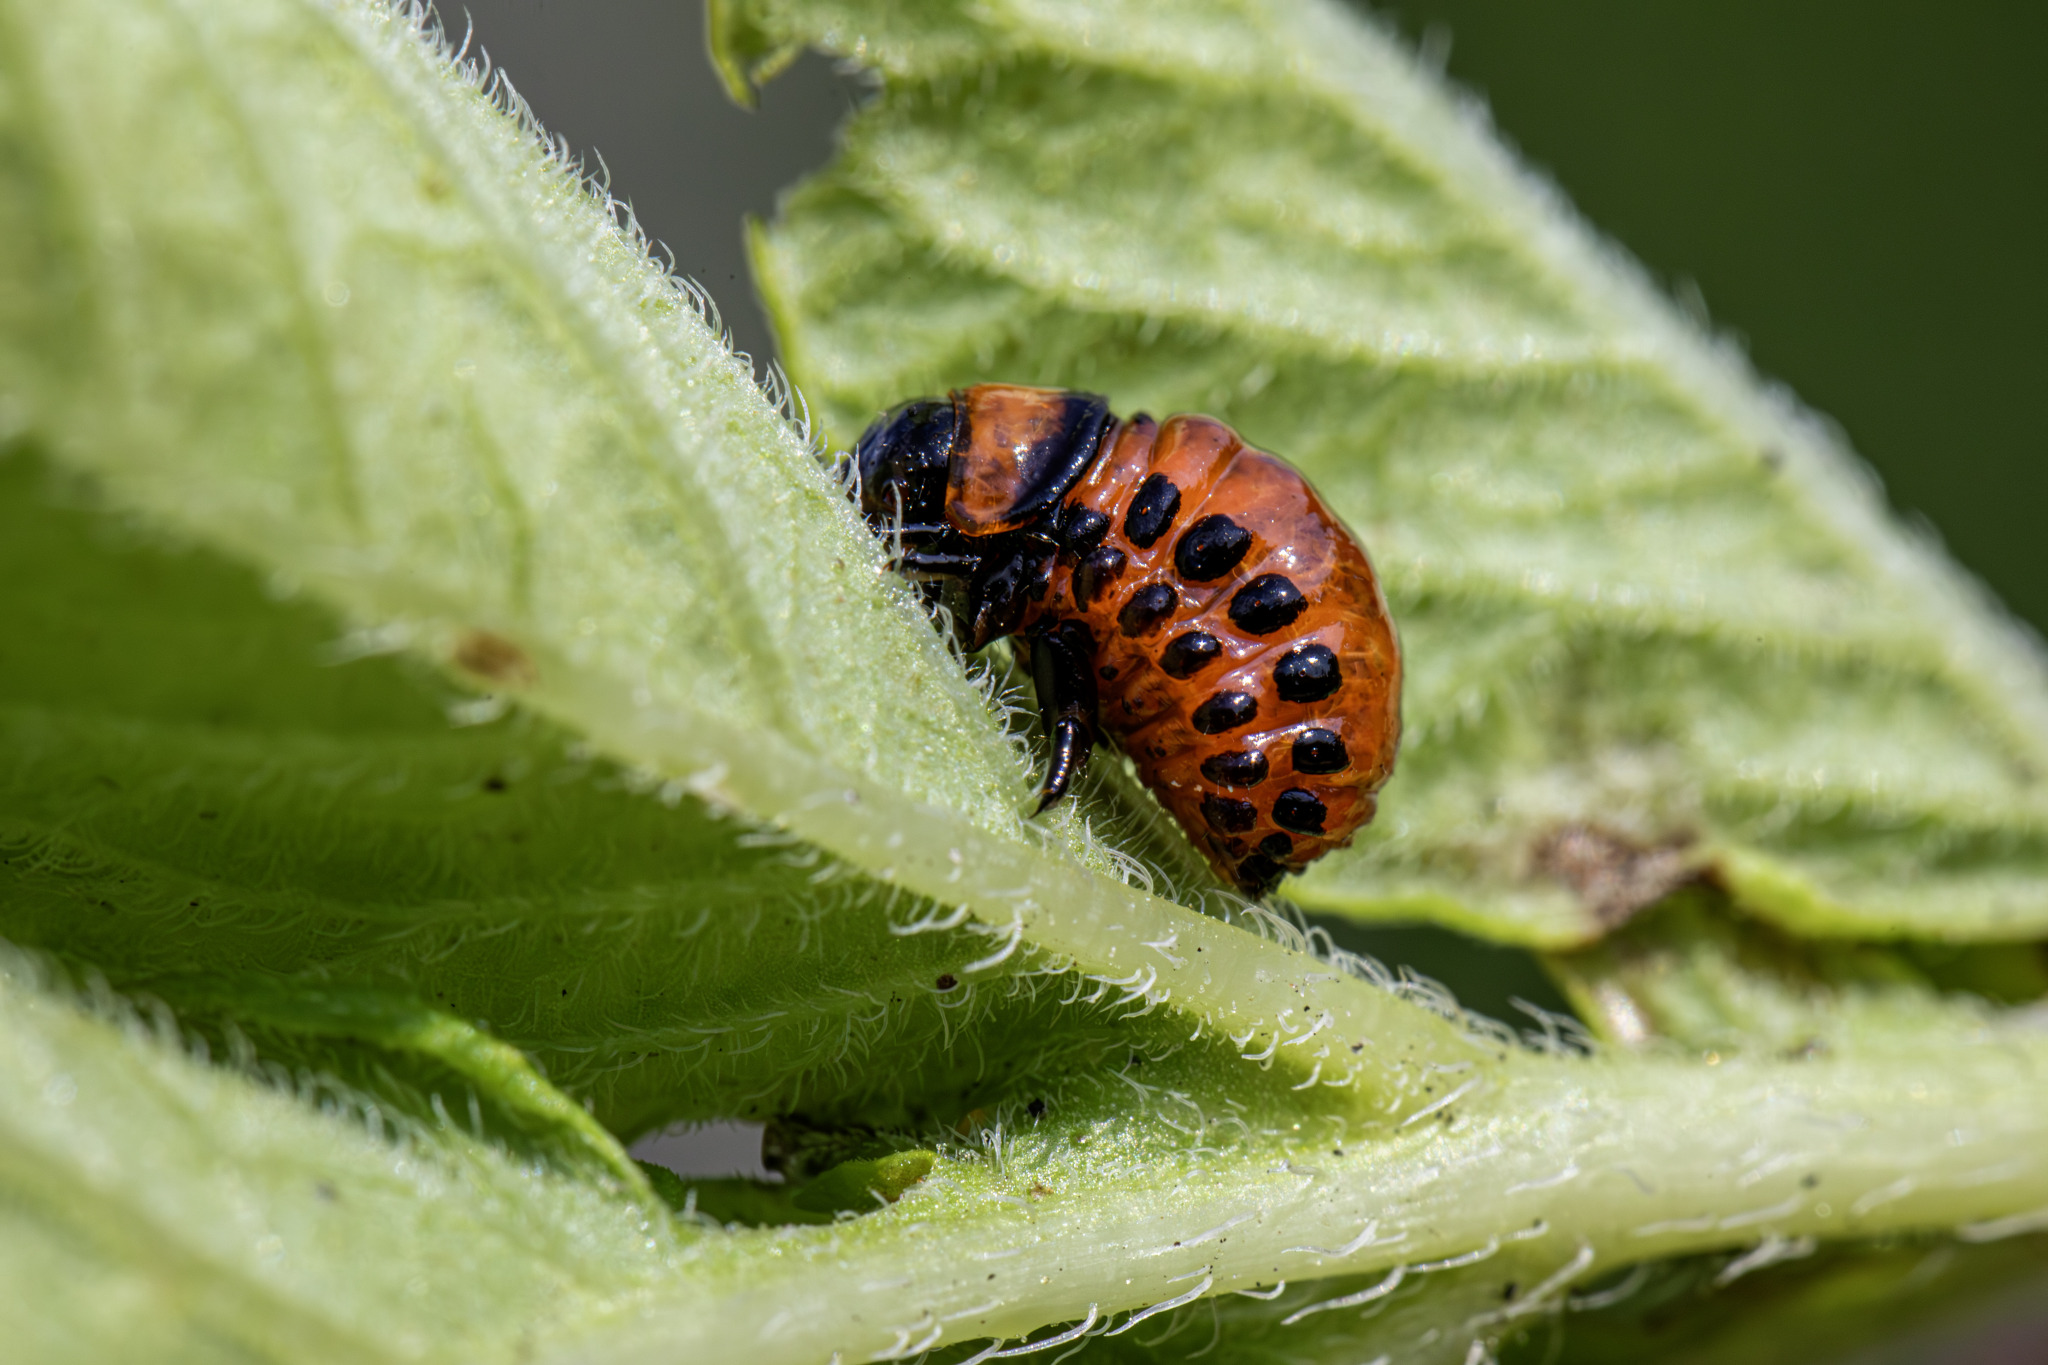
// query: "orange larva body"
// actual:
[[1232, 634]]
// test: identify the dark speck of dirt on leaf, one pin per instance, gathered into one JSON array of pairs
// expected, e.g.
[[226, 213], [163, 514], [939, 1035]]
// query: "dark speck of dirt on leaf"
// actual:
[[495, 659], [947, 982]]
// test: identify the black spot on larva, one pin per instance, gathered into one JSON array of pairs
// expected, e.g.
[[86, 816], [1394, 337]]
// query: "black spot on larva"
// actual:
[[1148, 606], [1080, 529], [1259, 872], [1320, 751], [1300, 811], [1210, 548], [947, 982], [1225, 711], [1276, 846], [1266, 604], [1236, 769], [1152, 511], [1187, 655], [1229, 814], [1096, 573], [494, 783], [1308, 673]]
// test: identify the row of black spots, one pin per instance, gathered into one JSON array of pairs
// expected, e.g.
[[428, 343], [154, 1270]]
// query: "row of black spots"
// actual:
[[1307, 674], [1297, 809], [1316, 751]]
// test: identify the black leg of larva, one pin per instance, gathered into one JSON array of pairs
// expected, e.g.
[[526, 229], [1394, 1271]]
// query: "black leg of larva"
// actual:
[[1070, 749], [1062, 667], [937, 564]]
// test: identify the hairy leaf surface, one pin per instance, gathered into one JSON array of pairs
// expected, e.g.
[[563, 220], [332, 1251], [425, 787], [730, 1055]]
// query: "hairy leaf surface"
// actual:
[[451, 722]]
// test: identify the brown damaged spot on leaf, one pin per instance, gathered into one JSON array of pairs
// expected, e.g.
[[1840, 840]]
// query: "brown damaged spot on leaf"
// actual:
[[494, 659], [1613, 874]]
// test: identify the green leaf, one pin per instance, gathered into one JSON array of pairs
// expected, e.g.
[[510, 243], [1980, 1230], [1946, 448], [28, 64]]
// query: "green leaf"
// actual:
[[1656, 619], [455, 707]]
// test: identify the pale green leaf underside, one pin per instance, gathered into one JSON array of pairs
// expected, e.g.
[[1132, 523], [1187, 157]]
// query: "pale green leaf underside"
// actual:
[[279, 280], [1637, 591], [408, 364]]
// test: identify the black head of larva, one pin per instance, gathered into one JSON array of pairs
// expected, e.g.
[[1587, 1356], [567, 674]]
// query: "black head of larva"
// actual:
[[903, 461]]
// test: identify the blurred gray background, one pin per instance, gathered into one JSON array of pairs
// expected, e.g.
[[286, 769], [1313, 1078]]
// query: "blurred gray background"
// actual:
[[1856, 191]]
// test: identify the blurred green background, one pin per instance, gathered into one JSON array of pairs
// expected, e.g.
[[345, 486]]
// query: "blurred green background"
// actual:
[[1859, 192], [1856, 193]]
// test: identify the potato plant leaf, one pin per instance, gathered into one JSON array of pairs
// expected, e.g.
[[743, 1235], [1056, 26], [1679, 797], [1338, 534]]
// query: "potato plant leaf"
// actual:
[[1657, 621], [451, 724]]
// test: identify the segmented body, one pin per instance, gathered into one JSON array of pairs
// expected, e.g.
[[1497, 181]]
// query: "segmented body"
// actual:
[[1185, 595]]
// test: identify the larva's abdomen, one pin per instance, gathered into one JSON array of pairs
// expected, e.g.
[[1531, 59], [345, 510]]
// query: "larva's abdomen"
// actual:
[[1246, 661]]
